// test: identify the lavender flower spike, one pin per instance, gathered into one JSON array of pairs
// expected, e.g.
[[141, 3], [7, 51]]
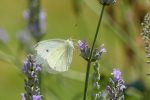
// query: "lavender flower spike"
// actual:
[[42, 17], [84, 49], [32, 80], [116, 86]]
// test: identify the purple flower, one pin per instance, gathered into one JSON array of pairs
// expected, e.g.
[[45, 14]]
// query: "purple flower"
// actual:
[[116, 74], [102, 49], [37, 67], [26, 15], [3, 36], [26, 66], [42, 17], [81, 45], [122, 87], [23, 97], [108, 88], [36, 97], [84, 49], [23, 36], [42, 21]]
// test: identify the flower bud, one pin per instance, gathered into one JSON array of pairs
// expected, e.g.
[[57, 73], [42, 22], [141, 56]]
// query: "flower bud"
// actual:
[[107, 2]]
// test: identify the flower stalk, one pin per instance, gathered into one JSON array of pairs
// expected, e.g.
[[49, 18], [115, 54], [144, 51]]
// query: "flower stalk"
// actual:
[[95, 81], [91, 52], [34, 19]]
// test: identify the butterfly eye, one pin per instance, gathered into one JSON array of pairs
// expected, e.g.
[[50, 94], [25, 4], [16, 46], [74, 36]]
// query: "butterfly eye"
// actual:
[[47, 50]]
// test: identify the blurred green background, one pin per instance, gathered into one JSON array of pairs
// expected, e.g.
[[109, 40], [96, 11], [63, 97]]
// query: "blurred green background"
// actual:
[[120, 32]]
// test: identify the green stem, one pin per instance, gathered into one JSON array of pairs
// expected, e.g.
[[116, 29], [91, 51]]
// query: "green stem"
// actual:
[[89, 61]]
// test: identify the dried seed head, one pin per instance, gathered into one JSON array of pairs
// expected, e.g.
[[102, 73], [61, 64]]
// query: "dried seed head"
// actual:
[[146, 34]]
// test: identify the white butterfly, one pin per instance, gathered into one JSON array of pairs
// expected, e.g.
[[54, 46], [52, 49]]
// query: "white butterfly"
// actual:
[[54, 54]]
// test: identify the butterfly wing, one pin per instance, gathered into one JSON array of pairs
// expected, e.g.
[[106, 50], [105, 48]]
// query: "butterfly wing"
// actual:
[[54, 54], [61, 57], [44, 47]]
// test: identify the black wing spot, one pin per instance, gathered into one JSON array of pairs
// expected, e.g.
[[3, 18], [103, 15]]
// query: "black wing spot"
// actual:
[[47, 50]]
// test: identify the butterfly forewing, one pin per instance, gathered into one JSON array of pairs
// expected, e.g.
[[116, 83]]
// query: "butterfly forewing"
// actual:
[[58, 59], [55, 54], [44, 47]]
